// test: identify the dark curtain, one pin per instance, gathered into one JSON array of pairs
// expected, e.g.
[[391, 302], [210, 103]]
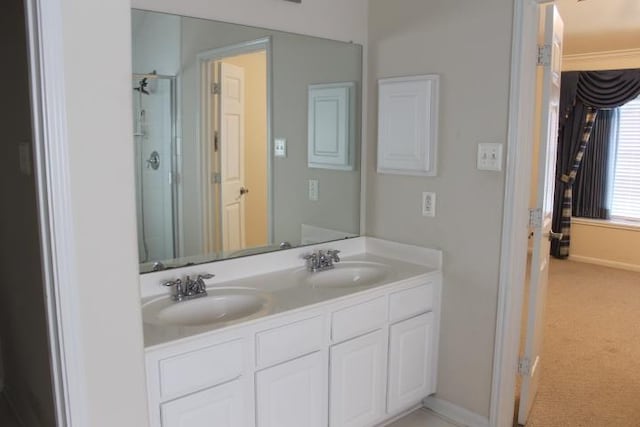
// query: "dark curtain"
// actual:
[[591, 187], [585, 96]]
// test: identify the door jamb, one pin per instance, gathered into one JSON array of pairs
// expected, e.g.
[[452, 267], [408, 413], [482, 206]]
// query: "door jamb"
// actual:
[[220, 53], [57, 247], [515, 215]]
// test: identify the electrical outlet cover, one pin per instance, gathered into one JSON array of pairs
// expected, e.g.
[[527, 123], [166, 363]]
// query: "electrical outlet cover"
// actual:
[[280, 147], [429, 204], [313, 190]]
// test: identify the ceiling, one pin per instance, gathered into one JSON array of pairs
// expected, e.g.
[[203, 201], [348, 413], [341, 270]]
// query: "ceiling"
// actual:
[[600, 25]]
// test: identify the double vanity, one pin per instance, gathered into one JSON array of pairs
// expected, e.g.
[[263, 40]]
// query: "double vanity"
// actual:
[[247, 141], [273, 344]]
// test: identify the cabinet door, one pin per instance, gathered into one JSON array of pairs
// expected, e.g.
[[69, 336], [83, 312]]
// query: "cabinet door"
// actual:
[[221, 406], [293, 394], [410, 362], [358, 371]]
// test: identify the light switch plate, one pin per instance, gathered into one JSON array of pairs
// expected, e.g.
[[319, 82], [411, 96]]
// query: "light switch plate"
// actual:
[[313, 190], [429, 204], [280, 147], [490, 157]]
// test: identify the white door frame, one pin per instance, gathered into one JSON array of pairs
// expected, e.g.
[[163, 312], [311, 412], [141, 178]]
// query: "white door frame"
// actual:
[[514, 243], [219, 54], [46, 76]]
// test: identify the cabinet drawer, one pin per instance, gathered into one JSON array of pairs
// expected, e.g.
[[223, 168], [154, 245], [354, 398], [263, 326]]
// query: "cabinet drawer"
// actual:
[[290, 341], [410, 302], [359, 319], [221, 406], [202, 368]]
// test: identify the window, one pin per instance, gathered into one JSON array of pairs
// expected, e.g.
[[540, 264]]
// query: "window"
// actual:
[[626, 184]]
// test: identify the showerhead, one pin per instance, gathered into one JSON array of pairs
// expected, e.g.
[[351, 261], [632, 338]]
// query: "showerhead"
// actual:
[[142, 88], [144, 81]]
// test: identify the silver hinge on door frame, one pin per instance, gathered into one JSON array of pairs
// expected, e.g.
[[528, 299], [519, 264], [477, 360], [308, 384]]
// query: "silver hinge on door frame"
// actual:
[[215, 88], [544, 55], [525, 368], [535, 218]]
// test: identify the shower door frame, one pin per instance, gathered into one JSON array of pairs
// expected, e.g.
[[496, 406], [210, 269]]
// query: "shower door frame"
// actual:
[[176, 167]]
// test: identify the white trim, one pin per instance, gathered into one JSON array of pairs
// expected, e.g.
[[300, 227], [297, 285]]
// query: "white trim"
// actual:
[[455, 413], [605, 60], [514, 243], [615, 223], [605, 263], [44, 22]]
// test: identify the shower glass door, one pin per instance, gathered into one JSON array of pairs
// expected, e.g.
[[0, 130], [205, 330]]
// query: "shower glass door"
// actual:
[[156, 191]]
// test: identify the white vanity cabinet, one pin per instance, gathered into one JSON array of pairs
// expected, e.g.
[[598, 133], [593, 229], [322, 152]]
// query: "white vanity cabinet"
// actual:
[[358, 372], [293, 394], [221, 406], [410, 362], [351, 361], [412, 345]]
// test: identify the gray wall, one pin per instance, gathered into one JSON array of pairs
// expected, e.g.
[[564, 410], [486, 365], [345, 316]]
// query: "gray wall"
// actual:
[[468, 44], [297, 62], [23, 330]]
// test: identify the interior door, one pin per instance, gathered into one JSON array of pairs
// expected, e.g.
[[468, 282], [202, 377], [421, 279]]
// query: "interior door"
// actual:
[[551, 55], [232, 94]]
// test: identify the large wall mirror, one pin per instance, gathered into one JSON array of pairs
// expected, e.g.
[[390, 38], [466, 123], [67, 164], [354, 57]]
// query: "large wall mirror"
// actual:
[[246, 140]]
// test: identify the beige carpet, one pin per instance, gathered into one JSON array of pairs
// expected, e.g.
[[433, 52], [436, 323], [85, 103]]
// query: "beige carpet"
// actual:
[[591, 356]]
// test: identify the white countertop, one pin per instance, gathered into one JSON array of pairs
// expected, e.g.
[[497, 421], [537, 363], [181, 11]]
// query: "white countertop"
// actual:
[[287, 293]]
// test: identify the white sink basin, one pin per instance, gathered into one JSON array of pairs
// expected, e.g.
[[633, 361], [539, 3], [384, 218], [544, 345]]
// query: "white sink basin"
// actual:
[[221, 305], [347, 274]]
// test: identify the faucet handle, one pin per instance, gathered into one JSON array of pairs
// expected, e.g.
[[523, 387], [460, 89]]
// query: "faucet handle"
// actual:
[[179, 291], [333, 254], [170, 283], [205, 276]]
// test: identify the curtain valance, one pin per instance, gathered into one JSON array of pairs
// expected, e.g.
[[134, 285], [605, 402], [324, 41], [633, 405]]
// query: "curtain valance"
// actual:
[[602, 89]]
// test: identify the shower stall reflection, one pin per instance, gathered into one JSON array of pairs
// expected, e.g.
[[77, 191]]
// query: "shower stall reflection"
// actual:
[[156, 166]]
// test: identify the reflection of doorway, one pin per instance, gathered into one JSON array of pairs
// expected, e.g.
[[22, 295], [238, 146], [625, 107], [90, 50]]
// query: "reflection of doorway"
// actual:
[[235, 142]]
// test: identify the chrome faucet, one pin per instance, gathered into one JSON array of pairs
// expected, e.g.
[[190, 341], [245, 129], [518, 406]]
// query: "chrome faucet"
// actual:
[[189, 289], [321, 260]]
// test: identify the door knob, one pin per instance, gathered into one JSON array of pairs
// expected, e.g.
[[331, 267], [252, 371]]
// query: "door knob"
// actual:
[[554, 236], [243, 191]]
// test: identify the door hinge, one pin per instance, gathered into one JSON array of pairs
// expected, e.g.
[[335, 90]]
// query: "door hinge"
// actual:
[[215, 88], [535, 218], [524, 367], [216, 178], [544, 55]]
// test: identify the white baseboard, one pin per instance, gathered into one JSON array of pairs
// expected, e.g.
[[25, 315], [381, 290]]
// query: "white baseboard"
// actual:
[[455, 413], [605, 263]]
